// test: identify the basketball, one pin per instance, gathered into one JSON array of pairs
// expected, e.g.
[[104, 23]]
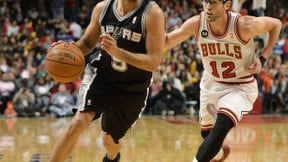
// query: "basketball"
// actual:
[[64, 62]]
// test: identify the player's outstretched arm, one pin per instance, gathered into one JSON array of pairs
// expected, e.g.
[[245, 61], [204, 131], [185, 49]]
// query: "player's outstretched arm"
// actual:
[[93, 30], [188, 28]]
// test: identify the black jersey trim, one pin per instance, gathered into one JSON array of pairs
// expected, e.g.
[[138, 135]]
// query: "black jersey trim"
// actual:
[[121, 18], [107, 4], [143, 19]]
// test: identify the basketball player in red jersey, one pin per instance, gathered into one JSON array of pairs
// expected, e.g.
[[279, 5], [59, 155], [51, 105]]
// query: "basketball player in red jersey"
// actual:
[[116, 80], [228, 88]]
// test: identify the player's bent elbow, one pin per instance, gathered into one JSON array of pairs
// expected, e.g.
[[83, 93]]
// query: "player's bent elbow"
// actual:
[[154, 67], [278, 23]]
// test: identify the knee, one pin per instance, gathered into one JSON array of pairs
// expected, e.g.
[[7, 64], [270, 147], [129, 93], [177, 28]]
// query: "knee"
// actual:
[[108, 141], [205, 133], [78, 124], [223, 125]]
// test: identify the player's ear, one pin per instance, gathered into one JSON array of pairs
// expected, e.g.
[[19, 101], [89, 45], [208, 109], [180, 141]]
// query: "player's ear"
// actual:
[[227, 5]]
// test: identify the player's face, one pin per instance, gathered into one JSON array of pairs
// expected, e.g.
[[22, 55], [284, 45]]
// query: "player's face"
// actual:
[[213, 9]]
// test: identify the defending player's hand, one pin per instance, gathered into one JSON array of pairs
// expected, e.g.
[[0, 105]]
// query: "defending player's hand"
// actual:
[[255, 67], [109, 44]]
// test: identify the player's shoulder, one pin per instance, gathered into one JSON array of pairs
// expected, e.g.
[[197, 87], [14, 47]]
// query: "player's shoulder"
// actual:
[[100, 5], [154, 12], [196, 18], [246, 23], [154, 8], [246, 19]]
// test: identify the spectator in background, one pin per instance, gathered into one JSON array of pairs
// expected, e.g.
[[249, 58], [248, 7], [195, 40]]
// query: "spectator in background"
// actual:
[[285, 47], [76, 30], [62, 102], [168, 99], [24, 101], [13, 29], [33, 14], [42, 92], [47, 42], [7, 88], [64, 32], [277, 95], [259, 7], [184, 75], [176, 82], [278, 49], [71, 9], [4, 67], [26, 28], [83, 17], [57, 7], [154, 89], [25, 80]]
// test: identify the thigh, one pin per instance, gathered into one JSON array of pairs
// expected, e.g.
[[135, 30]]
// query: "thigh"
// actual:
[[231, 100], [238, 102], [208, 112], [82, 119], [91, 92], [123, 111]]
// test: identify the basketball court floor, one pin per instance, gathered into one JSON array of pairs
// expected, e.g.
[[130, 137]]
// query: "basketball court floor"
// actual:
[[257, 138]]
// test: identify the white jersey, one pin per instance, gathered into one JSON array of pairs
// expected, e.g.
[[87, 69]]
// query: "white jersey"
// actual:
[[226, 56]]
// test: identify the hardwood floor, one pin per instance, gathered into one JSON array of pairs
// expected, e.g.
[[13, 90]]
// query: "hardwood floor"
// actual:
[[153, 139]]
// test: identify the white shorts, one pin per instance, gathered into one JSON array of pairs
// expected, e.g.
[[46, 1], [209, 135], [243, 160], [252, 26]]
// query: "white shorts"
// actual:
[[233, 100]]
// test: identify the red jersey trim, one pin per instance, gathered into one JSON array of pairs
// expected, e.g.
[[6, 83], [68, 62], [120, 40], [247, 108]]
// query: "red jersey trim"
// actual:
[[247, 82], [249, 76], [230, 114], [237, 31], [207, 127]]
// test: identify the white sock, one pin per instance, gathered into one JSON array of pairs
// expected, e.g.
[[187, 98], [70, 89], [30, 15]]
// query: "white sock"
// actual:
[[195, 160], [219, 155]]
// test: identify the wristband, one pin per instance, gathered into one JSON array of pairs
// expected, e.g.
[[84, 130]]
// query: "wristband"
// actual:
[[262, 60]]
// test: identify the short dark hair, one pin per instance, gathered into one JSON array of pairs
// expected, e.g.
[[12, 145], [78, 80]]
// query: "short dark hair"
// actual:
[[226, 1], [223, 1]]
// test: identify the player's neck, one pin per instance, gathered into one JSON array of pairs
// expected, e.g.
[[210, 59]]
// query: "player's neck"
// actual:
[[219, 25], [126, 6]]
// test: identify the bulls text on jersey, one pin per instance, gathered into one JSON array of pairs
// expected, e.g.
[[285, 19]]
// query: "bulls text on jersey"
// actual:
[[226, 49]]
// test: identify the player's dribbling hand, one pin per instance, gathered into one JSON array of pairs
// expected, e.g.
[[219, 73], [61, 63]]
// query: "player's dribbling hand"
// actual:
[[255, 67], [109, 44]]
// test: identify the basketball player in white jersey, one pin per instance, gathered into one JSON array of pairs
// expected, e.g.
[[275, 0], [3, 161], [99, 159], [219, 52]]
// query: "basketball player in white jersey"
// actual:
[[228, 88]]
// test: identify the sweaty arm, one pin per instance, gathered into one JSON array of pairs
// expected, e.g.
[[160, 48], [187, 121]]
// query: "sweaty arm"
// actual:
[[92, 32], [150, 61], [250, 26], [187, 29]]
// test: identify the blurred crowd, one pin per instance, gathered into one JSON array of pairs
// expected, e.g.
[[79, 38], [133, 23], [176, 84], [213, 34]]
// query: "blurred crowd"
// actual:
[[29, 27]]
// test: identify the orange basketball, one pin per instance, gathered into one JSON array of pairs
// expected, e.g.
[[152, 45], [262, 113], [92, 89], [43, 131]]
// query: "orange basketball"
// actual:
[[65, 62]]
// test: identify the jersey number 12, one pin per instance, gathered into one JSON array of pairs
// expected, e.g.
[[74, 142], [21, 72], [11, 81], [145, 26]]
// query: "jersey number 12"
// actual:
[[227, 72]]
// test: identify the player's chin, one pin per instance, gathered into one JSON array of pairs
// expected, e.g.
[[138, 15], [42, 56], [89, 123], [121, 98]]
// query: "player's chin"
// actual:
[[210, 19]]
